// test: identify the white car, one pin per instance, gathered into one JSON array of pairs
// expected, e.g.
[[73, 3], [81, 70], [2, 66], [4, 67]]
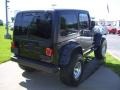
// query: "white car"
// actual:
[[101, 29]]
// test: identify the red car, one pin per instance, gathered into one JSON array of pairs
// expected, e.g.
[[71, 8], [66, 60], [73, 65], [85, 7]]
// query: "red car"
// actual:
[[112, 30], [118, 32]]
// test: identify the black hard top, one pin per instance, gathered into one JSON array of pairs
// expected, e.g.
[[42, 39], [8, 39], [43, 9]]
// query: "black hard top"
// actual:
[[58, 10]]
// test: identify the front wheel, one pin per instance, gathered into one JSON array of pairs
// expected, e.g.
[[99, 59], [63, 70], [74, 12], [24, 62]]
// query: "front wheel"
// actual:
[[71, 74], [100, 52]]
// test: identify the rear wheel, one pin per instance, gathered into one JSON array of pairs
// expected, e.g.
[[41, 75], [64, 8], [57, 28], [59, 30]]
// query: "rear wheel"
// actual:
[[100, 52], [71, 74], [28, 69]]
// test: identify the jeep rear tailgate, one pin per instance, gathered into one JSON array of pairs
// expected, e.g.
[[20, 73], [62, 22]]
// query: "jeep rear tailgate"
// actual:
[[32, 34]]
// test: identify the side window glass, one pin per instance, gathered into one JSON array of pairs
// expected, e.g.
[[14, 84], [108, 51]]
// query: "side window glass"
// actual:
[[17, 24], [68, 24], [18, 20], [83, 21]]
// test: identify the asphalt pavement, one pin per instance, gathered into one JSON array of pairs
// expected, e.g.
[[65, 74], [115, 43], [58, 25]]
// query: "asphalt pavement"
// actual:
[[14, 78], [113, 41]]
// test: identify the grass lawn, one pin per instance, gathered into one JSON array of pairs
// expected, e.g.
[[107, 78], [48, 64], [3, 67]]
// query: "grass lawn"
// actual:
[[4, 46], [113, 63]]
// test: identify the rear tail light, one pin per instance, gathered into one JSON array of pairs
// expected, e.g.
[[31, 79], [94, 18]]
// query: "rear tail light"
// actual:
[[49, 52], [13, 45]]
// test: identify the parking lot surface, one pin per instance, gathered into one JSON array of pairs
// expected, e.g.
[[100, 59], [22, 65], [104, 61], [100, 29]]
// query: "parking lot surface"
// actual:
[[113, 42], [14, 78]]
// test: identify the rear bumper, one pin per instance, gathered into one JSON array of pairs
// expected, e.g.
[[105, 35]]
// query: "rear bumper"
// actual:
[[51, 68]]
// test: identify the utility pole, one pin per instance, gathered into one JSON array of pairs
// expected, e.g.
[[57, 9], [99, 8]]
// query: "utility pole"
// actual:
[[7, 35]]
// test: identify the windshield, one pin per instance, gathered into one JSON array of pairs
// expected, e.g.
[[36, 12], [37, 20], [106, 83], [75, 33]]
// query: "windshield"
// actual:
[[38, 25]]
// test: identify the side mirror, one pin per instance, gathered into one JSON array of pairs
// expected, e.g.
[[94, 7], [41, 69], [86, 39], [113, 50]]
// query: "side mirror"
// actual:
[[92, 24]]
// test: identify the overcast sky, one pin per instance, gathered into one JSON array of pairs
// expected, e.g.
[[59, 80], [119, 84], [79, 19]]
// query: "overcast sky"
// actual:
[[97, 8]]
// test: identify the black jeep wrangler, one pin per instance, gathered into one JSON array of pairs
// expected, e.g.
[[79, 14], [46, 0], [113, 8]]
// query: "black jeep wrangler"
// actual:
[[56, 40]]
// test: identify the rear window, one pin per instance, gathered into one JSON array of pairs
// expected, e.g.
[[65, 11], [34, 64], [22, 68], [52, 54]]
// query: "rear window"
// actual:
[[38, 25]]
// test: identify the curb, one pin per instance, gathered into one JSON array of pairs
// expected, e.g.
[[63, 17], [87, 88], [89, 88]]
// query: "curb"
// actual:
[[113, 55]]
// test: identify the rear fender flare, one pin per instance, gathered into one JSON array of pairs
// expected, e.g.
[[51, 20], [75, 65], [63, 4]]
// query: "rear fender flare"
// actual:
[[67, 51]]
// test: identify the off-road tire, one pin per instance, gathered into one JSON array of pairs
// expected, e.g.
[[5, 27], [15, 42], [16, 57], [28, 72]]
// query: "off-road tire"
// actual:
[[66, 72], [27, 69], [99, 52]]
